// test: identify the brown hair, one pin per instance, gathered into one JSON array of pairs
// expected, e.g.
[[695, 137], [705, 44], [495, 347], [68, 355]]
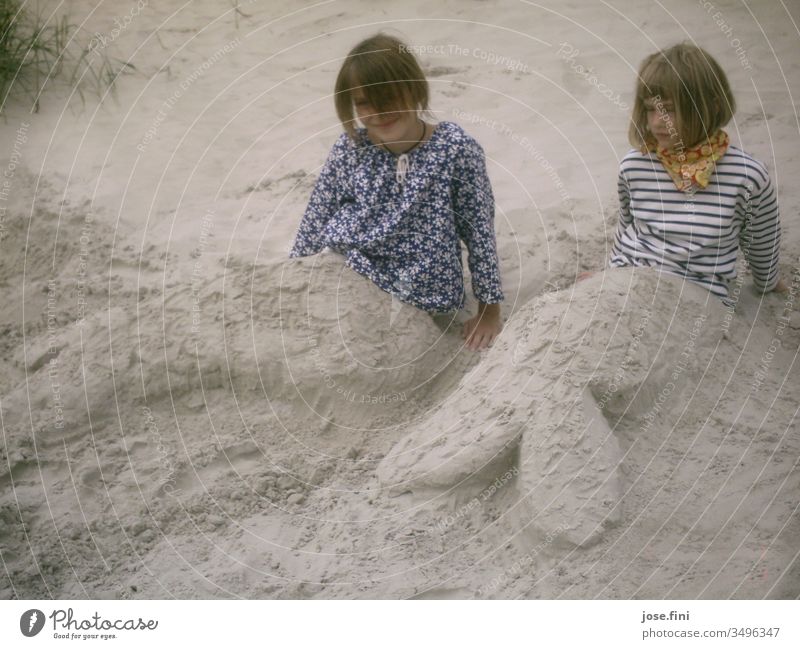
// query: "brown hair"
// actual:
[[389, 75], [688, 76]]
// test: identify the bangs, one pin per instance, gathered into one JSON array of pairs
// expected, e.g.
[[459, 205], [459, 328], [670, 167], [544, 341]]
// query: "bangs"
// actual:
[[658, 80], [378, 83]]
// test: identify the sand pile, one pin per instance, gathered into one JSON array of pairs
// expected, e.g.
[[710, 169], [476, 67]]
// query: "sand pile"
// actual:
[[113, 405], [545, 400], [310, 332]]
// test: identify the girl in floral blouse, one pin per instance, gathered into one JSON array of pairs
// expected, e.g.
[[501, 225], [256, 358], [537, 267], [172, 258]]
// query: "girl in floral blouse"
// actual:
[[397, 196]]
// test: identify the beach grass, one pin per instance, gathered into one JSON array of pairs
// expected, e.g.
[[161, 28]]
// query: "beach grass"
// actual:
[[38, 52]]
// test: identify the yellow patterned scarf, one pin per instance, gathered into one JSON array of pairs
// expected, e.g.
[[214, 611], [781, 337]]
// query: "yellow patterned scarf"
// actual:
[[691, 169]]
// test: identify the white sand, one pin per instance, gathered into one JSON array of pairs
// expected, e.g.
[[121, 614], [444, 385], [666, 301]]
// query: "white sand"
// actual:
[[186, 413]]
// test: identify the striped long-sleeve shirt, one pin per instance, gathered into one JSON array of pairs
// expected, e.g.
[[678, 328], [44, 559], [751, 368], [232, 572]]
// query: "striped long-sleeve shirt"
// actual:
[[697, 236]]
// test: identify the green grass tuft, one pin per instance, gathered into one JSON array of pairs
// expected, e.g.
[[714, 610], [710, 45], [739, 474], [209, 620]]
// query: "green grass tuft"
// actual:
[[35, 53]]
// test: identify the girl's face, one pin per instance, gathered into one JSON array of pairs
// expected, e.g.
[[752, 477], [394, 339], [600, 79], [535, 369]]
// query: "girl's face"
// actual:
[[661, 121], [397, 124]]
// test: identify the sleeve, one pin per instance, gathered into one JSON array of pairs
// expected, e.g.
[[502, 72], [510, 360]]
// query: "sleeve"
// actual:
[[327, 198], [760, 236], [625, 217], [473, 206]]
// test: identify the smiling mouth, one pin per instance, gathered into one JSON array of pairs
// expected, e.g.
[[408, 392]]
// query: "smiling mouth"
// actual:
[[391, 122]]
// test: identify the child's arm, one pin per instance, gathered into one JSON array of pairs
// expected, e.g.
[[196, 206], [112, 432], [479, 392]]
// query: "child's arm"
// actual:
[[625, 219], [625, 216], [473, 204], [760, 237], [326, 199]]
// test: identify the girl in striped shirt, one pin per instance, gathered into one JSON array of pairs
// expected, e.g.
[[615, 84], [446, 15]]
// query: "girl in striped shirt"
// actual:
[[688, 198]]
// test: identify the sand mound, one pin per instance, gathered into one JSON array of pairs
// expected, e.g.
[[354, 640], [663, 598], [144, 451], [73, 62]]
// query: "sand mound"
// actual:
[[314, 366], [545, 399], [309, 333]]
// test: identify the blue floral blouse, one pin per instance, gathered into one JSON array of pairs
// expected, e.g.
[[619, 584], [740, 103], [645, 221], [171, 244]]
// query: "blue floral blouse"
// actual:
[[406, 237]]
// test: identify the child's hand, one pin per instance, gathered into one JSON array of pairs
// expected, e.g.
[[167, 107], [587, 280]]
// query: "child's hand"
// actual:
[[780, 287], [481, 330]]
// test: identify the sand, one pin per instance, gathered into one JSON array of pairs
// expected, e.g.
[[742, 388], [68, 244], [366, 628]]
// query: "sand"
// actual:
[[188, 413]]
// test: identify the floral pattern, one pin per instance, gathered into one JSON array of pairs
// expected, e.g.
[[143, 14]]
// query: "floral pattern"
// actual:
[[406, 237]]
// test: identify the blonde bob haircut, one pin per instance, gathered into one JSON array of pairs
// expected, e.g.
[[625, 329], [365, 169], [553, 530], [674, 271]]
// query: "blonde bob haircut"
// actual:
[[388, 74], [694, 82]]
